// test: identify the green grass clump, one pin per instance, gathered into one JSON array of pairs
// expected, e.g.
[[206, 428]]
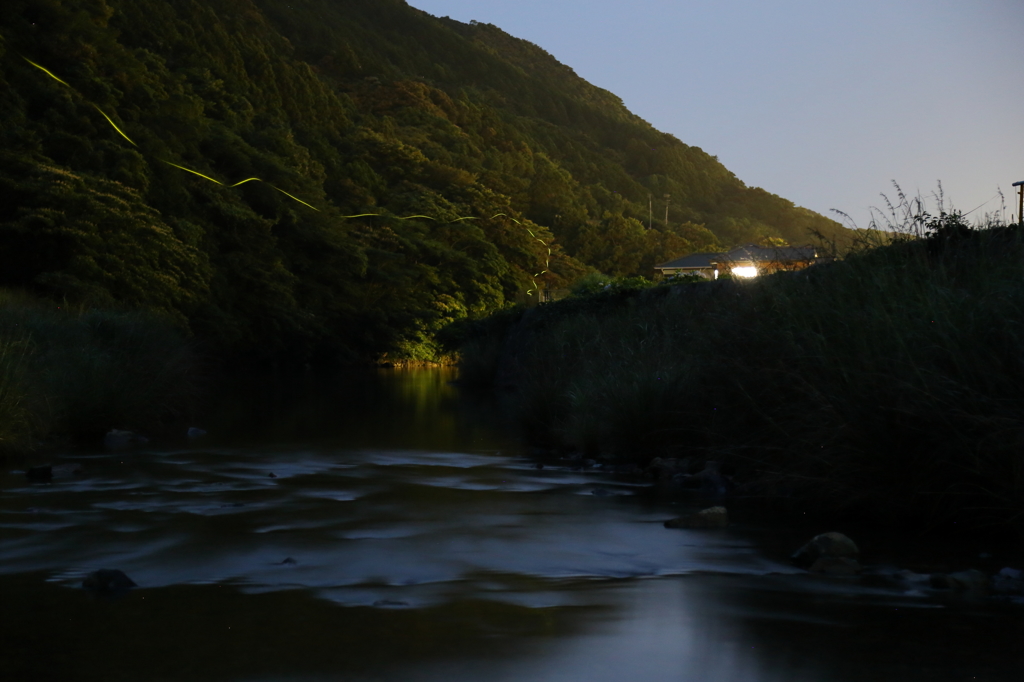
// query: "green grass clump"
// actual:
[[888, 382], [75, 374]]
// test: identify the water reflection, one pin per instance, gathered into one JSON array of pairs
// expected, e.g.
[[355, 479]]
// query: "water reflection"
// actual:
[[383, 527], [397, 408]]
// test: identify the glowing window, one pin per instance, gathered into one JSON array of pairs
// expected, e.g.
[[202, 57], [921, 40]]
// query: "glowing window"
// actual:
[[744, 272]]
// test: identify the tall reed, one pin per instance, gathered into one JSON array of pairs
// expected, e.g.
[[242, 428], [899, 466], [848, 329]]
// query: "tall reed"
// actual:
[[15, 416], [78, 373], [888, 382]]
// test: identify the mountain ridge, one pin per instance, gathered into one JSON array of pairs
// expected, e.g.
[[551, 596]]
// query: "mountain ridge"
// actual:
[[352, 107]]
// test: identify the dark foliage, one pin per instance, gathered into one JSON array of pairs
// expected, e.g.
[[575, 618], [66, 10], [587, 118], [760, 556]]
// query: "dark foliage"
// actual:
[[353, 106], [886, 384]]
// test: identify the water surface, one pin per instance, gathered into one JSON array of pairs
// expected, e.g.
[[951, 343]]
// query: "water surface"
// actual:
[[385, 526]]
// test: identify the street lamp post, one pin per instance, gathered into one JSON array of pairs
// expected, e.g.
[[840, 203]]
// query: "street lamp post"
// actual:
[[1020, 205]]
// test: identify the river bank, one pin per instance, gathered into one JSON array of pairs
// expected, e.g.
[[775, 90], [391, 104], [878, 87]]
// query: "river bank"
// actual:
[[882, 386]]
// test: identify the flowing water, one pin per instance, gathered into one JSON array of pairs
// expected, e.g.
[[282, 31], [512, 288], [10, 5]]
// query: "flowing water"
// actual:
[[384, 526]]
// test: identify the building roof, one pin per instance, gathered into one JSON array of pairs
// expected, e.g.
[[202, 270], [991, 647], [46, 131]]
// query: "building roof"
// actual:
[[749, 252]]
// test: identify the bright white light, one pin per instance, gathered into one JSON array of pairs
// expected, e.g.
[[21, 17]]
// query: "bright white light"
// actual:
[[745, 272]]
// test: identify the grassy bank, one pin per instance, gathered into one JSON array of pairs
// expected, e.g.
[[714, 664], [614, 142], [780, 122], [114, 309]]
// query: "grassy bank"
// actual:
[[71, 375], [887, 383]]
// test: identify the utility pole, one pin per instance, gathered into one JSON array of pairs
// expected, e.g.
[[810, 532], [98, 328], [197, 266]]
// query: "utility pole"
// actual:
[[1020, 205], [667, 197], [650, 211]]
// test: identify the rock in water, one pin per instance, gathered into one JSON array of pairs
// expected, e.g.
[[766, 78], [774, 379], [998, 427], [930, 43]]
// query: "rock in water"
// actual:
[[389, 602], [116, 439], [961, 581], [712, 517], [48, 472], [835, 565], [1008, 581], [912, 577], [69, 470], [108, 581], [833, 545], [40, 473]]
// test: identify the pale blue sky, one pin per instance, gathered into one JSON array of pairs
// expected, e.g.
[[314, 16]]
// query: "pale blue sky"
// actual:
[[823, 102]]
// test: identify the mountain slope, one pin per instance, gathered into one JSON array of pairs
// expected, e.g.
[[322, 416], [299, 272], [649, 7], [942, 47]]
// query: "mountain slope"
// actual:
[[110, 164]]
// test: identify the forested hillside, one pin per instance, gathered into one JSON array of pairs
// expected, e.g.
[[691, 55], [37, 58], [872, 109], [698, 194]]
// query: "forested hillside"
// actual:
[[119, 119]]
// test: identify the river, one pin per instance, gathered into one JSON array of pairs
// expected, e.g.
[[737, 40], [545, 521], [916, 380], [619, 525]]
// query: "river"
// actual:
[[385, 526]]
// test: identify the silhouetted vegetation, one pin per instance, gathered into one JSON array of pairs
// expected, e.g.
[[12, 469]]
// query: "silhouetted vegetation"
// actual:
[[68, 376], [887, 383]]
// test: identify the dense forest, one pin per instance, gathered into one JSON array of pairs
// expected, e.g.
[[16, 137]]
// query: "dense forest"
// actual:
[[126, 124]]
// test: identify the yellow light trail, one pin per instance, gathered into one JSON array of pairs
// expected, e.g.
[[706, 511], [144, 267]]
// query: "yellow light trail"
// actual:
[[46, 71], [187, 170], [292, 196], [207, 177], [547, 261], [111, 122], [242, 182]]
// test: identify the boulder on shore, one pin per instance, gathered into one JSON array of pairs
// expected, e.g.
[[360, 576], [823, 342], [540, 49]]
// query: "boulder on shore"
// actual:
[[712, 517], [709, 480], [831, 545], [662, 468]]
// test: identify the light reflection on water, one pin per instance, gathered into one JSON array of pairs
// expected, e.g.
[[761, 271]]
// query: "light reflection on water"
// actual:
[[382, 527]]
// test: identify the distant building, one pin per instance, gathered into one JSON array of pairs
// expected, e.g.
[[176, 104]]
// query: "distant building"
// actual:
[[743, 261], [703, 264]]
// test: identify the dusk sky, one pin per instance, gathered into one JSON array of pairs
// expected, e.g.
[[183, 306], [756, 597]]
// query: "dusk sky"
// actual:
[[819, 101]]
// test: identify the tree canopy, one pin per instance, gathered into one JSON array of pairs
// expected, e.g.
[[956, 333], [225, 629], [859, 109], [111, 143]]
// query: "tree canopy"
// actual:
[[124, 124]]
